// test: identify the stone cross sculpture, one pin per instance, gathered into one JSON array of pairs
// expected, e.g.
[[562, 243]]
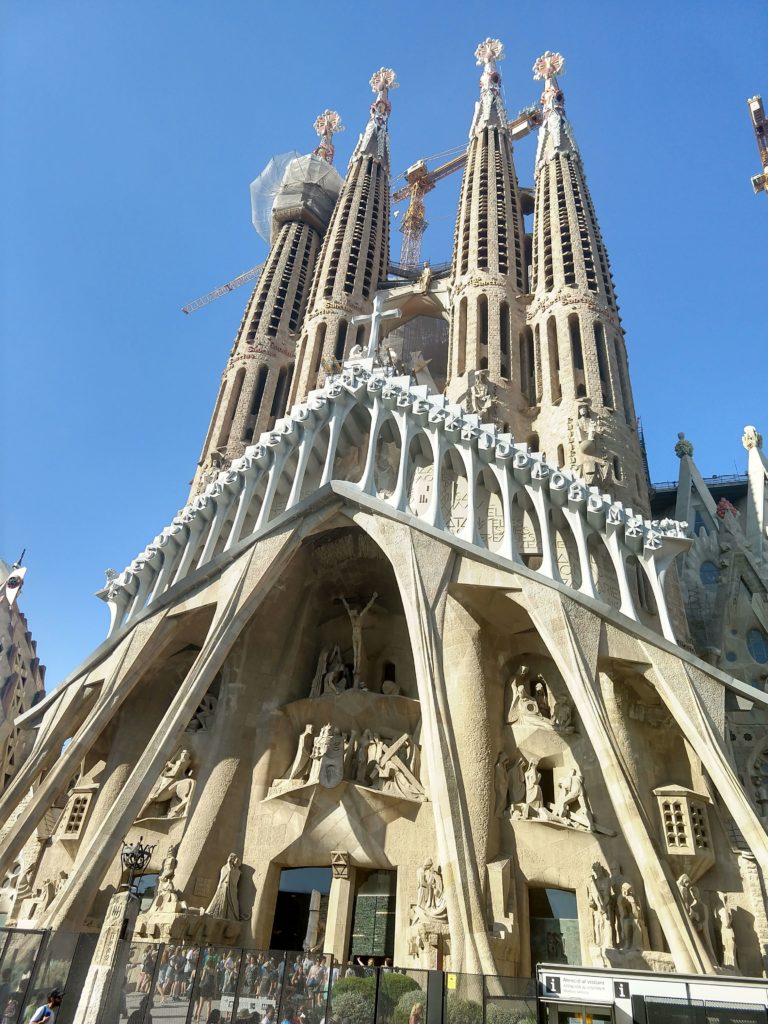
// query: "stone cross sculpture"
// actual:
[[375, 318], [356, 616]]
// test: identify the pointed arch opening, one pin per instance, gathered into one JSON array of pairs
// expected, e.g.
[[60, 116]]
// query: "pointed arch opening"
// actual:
[[387, 458], [421, 474], [454, 492]]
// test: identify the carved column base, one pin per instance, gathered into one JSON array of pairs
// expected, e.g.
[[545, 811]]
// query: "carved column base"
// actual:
[[100, 996]]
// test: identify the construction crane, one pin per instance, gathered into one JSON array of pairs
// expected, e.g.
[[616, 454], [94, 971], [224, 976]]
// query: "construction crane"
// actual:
[[757, 116], [420, 181], [249, 275]]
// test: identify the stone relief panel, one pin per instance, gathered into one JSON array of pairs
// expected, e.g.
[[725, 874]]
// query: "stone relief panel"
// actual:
[[379, 759], [531, 701], [428, 916]]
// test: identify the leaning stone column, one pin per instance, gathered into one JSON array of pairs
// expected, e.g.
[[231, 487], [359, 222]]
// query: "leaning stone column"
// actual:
[[572, 635], [100, 998]]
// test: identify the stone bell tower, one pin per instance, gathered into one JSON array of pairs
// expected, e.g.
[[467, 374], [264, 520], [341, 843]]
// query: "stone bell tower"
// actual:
[[489, 274], [256, 381], [573, 351], [355, 253]]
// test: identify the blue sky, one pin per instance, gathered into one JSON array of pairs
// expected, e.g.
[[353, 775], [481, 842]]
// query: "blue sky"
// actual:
[[131, 131]]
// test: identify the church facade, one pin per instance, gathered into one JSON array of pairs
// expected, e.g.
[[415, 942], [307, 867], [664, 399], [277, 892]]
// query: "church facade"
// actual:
[[418, 671]]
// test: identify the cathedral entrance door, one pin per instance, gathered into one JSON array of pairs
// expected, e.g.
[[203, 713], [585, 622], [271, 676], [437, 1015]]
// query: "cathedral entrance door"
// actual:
[[301, 909]]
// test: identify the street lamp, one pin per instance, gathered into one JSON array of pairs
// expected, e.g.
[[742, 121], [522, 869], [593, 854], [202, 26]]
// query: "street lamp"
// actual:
[[135, 858]]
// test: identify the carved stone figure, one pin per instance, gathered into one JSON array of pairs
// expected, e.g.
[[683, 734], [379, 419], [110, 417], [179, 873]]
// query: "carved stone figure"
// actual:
[[328, 757], [174, 788], [541, 696], [335, 674], [630, 918], [533, 795], [572, 804], [727, 938], [386, 761], [167, 897], [226, 901], [317, 682], [430, 893], [303, 759], [522, 703], [697, 911], [201, 719], [752, 438], [600, 900], [356, 616], [563, 716]]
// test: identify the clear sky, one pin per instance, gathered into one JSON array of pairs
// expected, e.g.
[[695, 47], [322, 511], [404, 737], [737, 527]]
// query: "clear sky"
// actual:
[[132, 128]]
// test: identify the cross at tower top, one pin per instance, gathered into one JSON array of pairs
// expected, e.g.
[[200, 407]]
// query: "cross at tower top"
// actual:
[[327, 125], [547, 67], [490, 109], [381, 82]]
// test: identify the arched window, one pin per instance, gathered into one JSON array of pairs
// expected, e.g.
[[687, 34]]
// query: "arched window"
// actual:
[[504, 339], [234, 398], [527, 368], [341, 340], [602, 365], [482, 320], [560, 456], [576, 351], [249, 427], [462, 353], [533, 442], [554, 360]]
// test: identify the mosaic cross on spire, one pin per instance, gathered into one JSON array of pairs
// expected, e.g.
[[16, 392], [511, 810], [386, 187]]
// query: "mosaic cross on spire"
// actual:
[[326, 126], [547, 67], [381, 82]]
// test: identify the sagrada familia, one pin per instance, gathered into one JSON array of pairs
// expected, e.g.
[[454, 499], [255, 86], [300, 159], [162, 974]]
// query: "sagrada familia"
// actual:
[[423, 629]]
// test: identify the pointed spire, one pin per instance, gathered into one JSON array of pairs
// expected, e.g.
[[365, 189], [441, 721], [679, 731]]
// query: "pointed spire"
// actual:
[[556, 129], [326, 126], [375, 138], [490, 107]]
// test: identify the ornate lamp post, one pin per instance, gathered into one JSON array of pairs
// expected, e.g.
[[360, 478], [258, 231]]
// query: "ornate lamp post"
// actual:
[[135, 859]]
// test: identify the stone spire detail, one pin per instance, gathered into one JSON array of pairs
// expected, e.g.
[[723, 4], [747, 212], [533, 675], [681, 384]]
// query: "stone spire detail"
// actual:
[[257, 378], [326, 126], [576, 363], [355, 253], [489, 109], [489, 274]]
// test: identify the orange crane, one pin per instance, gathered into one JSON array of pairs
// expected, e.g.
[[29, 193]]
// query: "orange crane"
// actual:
[[420, 181], [757, 116]]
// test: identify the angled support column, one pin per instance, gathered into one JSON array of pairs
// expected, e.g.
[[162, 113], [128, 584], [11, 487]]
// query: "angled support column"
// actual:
[[572, 637], [423, 589], [246, 583], [138, 651]]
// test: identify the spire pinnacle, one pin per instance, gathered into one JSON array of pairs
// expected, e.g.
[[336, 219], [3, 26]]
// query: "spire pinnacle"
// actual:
[[374, 139], [486, 55], [555, 134], [326, 126], [548, 67], [381, 82]]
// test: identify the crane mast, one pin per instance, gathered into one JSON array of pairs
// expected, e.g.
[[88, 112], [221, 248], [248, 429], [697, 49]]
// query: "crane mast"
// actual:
[[420, 181]]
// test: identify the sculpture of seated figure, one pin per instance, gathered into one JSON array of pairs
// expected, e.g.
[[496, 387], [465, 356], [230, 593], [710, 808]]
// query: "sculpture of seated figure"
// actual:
[[335, 675]]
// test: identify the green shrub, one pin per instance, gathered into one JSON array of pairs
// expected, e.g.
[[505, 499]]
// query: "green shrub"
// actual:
[[364, 986], [406, 1003], [391, 990], [463, 1011], [506, 1013], [352, 1006]]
